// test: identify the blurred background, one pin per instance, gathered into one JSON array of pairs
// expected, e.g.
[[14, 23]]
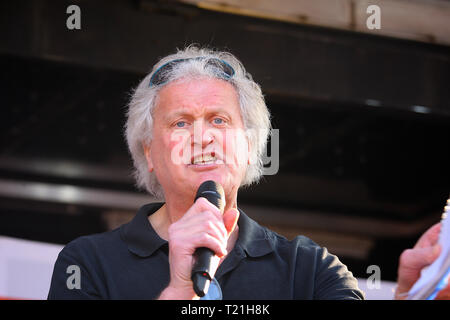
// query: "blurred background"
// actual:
[[363, 117]]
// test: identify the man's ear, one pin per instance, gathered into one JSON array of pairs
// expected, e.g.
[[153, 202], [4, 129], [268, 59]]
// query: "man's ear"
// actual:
[[148, 156]]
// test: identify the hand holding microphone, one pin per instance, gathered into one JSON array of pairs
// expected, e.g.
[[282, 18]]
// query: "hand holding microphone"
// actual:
[[202, 226], [206, 261]]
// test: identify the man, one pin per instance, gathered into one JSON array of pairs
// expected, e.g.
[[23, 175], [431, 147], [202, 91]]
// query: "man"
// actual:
[[199, 116]]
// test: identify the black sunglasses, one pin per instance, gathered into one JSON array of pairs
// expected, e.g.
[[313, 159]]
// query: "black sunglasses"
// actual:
[[225, 70]]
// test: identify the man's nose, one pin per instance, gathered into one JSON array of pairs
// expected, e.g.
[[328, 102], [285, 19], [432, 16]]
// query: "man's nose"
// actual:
[[201, 135]]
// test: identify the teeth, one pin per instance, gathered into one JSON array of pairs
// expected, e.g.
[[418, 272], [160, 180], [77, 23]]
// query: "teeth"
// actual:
[[204, 159]]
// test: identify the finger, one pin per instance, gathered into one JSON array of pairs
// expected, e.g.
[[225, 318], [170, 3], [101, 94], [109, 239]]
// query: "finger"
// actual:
[[213, 226], [230, 219], [200, 214], [200, 221], [208, 241], [197, 226], [201, 204], [412, 261], [419, 258], [430, 237], [186, 246]]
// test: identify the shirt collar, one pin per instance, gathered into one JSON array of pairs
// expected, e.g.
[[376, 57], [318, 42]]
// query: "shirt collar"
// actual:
[[139, 234], [143, 240], [253, 238]]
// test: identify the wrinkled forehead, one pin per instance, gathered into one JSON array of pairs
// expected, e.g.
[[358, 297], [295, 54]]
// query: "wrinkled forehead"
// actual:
[[197, 94]]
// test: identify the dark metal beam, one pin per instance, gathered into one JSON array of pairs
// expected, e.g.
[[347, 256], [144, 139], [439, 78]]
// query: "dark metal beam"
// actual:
[[289, 60]]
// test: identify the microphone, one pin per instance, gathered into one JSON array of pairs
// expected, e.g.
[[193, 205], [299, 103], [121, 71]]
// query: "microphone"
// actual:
[[205, 258]]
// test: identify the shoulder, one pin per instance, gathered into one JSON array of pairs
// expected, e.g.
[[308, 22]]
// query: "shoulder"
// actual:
[[84, 258], [302, 250], [316, 268], [92, 243], [301, 244], [93, 253]]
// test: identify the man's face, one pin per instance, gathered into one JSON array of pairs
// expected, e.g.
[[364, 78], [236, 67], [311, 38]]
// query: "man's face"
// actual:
[[198, 135]]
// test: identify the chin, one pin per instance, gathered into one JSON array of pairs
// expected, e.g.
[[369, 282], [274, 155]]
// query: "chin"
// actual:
[[225, 179], [214, 177]]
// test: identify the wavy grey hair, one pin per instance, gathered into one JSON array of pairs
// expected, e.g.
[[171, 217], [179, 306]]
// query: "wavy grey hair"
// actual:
[[254, 112]]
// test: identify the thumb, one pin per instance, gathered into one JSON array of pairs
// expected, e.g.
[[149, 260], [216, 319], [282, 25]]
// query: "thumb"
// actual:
[[412, 261], [419, 258], [230, 219]]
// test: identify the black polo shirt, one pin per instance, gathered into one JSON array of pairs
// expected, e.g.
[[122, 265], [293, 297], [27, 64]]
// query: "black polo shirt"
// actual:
[[131, 262]]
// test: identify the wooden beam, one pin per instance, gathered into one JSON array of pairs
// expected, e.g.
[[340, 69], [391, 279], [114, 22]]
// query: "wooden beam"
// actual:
[[419, 20]]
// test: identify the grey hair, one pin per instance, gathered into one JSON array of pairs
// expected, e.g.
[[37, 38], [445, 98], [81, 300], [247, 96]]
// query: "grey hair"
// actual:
[[254, 112]]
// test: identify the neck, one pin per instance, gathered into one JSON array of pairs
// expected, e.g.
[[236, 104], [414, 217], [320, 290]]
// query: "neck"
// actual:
[[174, 209]]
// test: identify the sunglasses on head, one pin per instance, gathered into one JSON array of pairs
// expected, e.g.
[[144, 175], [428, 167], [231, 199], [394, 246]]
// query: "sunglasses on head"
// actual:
[[223, 68]]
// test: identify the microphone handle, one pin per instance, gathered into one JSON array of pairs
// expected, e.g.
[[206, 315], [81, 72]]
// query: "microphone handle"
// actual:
[[206, 259], [201, 276]]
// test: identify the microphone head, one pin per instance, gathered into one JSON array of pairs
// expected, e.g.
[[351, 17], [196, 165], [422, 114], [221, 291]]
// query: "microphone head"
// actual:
[[213, 192]]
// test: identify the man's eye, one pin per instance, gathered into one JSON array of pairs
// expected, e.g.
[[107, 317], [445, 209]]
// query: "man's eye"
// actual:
[[180, 124], [218, 121]]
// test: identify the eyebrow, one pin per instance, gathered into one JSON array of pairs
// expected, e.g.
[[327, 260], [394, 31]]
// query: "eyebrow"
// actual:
[[187, 112]]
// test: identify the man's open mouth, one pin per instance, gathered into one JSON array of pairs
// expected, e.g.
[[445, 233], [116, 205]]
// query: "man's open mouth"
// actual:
[[207, 158]]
